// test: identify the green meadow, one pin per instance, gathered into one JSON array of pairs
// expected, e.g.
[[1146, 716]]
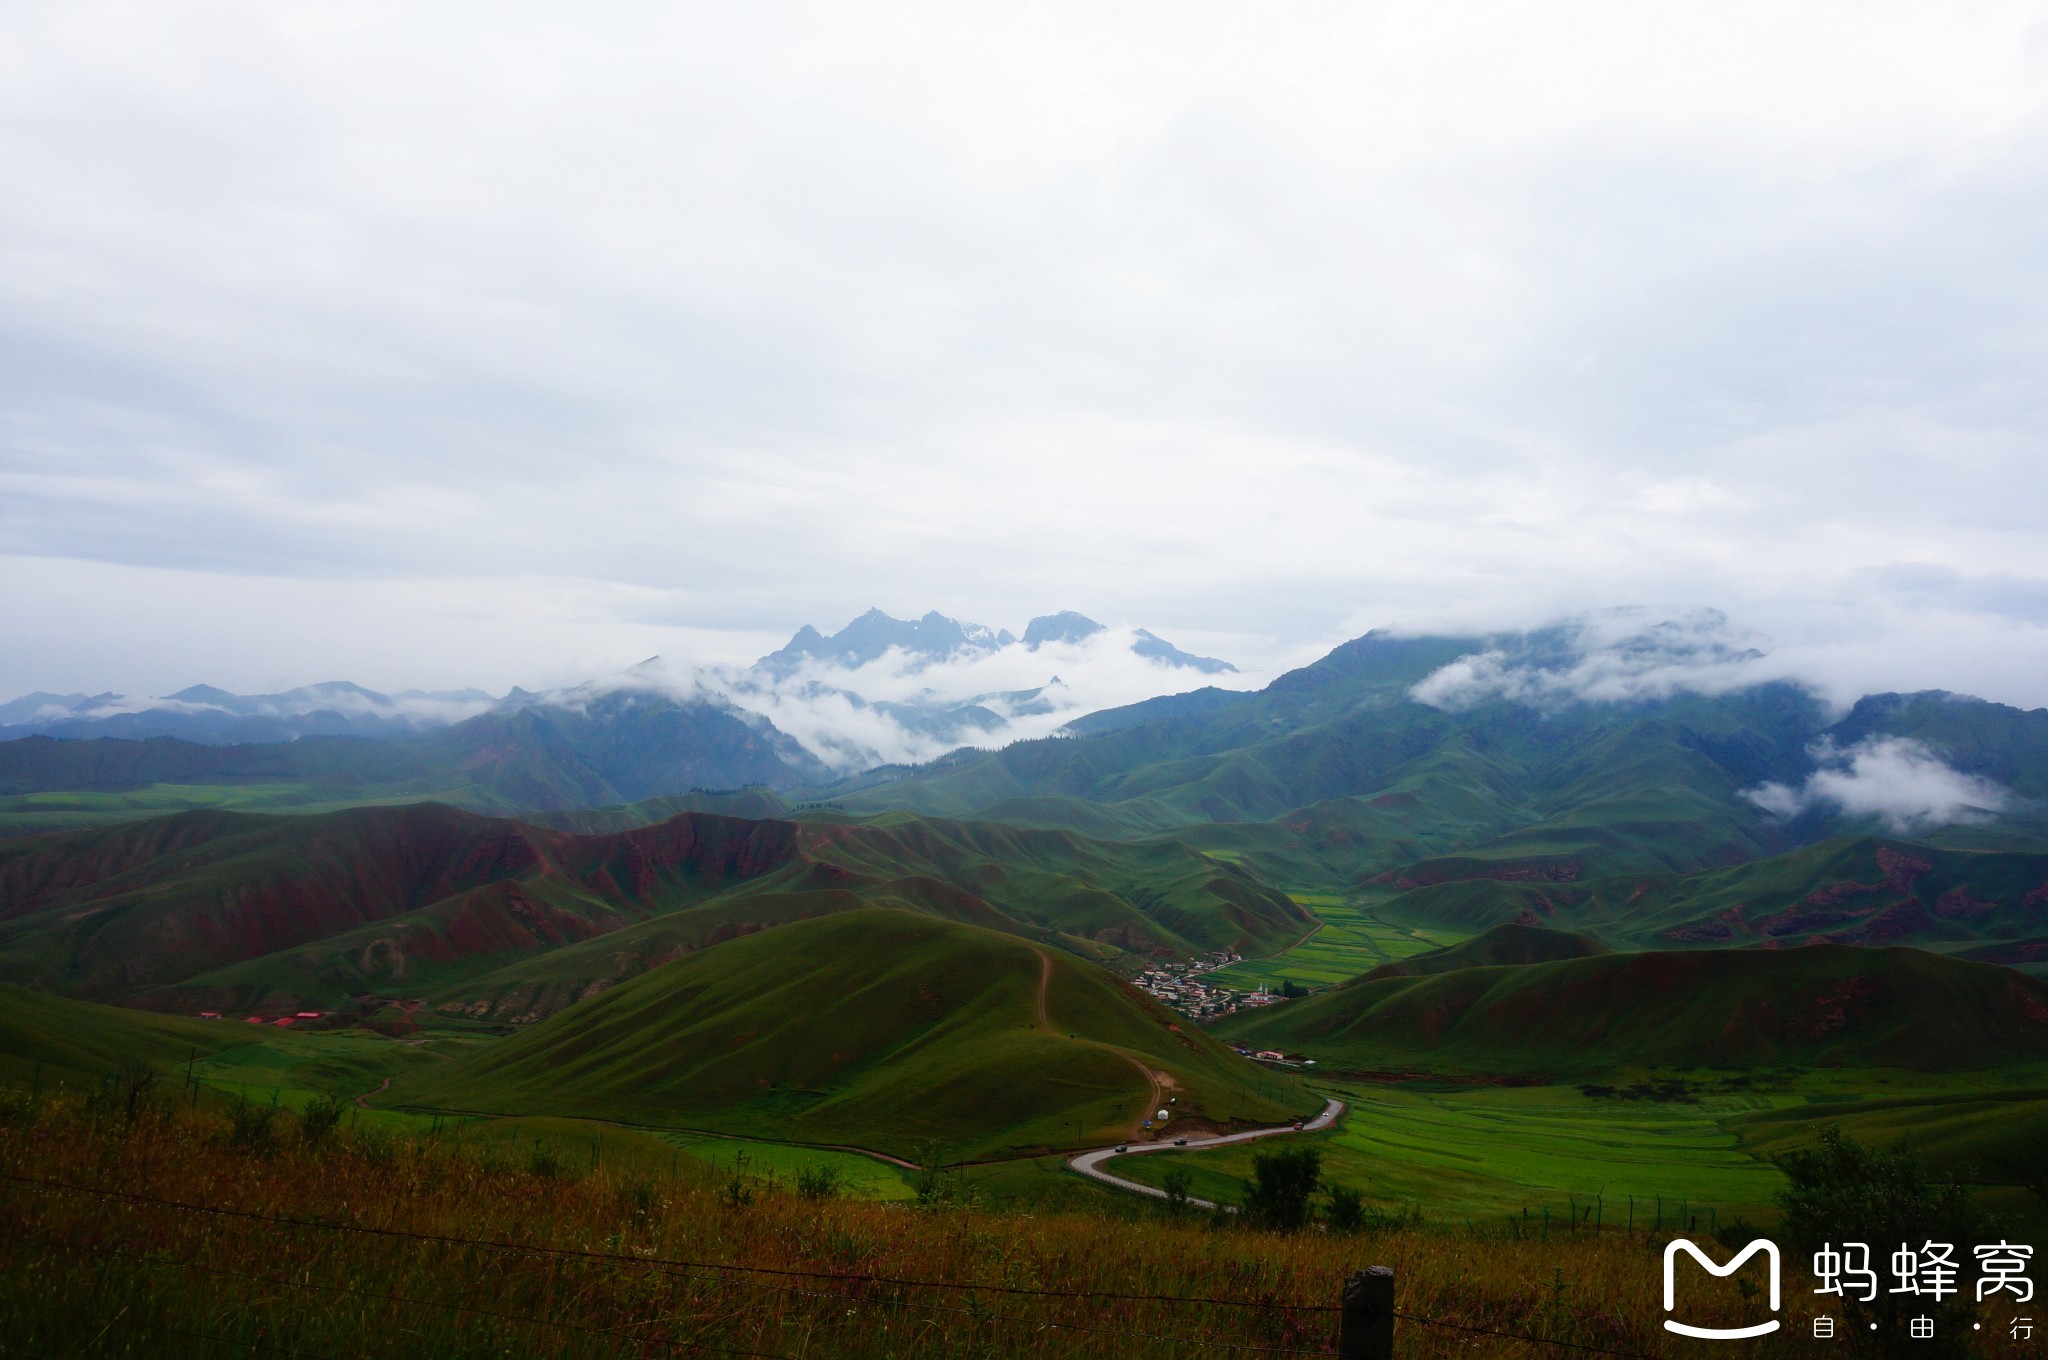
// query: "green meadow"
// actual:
[[1353, 939], [859, 1176], [1480, 1153], [1473, 1154]]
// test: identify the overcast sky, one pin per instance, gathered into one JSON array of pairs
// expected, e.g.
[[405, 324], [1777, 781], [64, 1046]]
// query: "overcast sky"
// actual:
[[478, 344]]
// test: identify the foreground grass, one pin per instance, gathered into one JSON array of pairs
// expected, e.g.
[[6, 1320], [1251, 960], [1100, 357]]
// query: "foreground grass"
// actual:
[[368, 1245]]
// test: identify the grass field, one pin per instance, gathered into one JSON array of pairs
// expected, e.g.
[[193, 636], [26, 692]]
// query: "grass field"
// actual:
[[1353, 940], [859, 1177], [141, 1231], [1479, 1153]]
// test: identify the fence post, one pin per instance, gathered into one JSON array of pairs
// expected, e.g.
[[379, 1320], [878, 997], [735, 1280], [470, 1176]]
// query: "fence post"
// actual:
[[1365, 1330]]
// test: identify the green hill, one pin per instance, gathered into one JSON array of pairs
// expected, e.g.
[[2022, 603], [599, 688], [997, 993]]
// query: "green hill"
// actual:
[[1823, 1004], [873, 1028], [219, 910], [1866, 890], [78, 1038], [1510, 943]]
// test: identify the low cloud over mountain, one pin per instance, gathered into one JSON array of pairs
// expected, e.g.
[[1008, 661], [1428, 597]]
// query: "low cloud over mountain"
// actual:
[[893, 691], [1903, 782], [1612, 656], [880, 691]]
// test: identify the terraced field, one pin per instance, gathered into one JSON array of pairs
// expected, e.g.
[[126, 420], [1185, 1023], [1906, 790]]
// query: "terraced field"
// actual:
[[1353, 940]]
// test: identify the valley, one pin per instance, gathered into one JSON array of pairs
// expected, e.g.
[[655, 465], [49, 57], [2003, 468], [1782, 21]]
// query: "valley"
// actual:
[[1566, 979]]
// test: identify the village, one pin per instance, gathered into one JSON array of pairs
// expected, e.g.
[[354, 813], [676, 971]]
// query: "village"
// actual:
[[1180, 986]]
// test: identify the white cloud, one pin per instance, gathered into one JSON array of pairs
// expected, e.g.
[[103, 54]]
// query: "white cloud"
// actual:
[[1902, 782], [1617, 655], [534, 341], [893, 710]]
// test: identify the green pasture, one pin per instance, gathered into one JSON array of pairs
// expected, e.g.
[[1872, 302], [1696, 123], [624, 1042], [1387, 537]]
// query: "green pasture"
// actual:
[[1482, 1153], [859, 1177], [1353, 940]]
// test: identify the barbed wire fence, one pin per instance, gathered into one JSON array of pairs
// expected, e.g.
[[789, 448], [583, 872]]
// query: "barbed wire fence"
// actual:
[[1360, 1325]]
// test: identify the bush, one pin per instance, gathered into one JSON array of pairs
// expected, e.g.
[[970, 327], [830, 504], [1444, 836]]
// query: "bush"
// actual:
[[1841, 1191], [546, 1163], [253, 1128], [1347, 1210], [1282, 1190], [1177, 1184], [817, 1182], [319, 1119]]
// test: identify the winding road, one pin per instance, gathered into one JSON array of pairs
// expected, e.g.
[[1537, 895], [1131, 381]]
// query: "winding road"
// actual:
[[1090, 1163]]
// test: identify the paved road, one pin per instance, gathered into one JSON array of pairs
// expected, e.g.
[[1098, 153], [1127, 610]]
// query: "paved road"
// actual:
[[1090, 1163]]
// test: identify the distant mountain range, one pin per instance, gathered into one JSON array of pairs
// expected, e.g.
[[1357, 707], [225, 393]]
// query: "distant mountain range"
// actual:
[[936, 638], [1635, 788], [811, 668], [206, 714]]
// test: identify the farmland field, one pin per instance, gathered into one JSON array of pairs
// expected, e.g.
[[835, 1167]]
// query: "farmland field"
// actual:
[[1353, 940]]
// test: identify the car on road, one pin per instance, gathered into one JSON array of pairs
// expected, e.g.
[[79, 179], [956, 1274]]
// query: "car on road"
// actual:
[[1180, 1142], [1123, 1147]]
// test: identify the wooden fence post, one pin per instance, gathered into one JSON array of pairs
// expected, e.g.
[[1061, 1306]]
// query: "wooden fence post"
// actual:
[[1366, 1328]]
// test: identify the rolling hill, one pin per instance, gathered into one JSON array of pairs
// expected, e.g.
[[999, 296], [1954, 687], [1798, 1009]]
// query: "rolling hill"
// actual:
[[1866, 890], [74, 1039], [1823, 1004], [220, 910], [1510, 943], [614, 747], [882, 1029]]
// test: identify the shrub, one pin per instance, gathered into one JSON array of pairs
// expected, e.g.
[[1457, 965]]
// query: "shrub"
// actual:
[[1347, 1209], [544, 1162], [1177, 1184], [253, 1127], [1282, 1190], [1841, 1191], [817, 1182], [318, 1120]]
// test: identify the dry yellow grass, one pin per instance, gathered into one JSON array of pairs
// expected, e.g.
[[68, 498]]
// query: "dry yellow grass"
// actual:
[[366, 1247]]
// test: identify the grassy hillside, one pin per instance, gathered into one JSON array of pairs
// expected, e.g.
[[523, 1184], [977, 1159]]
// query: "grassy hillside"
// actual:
[[1865, 890], [216, 910], [876, 1028], [77, 1038], [1824, 1004], [125, 1274], [1511, 943], [1348, 775]]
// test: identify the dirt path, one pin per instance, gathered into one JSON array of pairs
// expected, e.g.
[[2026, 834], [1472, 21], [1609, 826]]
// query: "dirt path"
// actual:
[[1045, 1023], [1089, 1164], [363, 1100]]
